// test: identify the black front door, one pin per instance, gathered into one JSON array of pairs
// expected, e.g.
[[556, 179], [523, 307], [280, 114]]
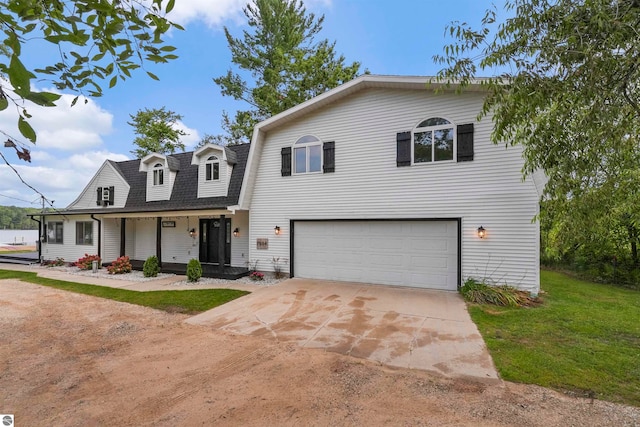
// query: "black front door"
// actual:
[[211, 231]]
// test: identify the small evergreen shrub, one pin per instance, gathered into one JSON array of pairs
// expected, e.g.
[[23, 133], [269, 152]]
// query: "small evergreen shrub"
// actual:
[[194, 270], [120, 266], [151, 267], [86, 262]]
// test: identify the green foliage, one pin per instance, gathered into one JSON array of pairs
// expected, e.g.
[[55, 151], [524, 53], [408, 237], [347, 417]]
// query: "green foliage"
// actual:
[[157, 132], [96, 40], [480, 292], [570, 97], [194, 270], [189, 301], [15, 218], [58, 262], [584, 339], [86, 262], [120, 266], [287, 64], [256, 276], [151, 267]]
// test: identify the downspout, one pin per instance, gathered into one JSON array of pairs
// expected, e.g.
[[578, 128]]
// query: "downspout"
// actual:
[[40, 231], [99, 233]]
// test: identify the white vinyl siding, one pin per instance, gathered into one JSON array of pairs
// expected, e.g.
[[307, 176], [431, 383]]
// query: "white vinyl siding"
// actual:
[[105, 177], [68, 250], [367, 184], [160, 192], [111, 239], [240, 244], [145, 241], [214, 188]]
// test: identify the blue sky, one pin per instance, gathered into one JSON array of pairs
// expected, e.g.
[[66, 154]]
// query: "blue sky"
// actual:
[[398, 37]]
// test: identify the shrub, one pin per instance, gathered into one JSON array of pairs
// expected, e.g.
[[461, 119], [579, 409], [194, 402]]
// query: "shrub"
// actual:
[[194, 270], [151, 267], [120, 266], [277, 268], [86, 262], [58, 262], [256, 276], [482, 293]]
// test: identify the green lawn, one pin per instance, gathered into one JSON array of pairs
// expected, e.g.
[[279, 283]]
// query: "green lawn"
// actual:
[[584, 339], [188, 301]]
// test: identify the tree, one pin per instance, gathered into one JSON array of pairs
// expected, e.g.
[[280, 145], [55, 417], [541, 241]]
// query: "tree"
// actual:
[[157, 132], [97, 40], [287, 64], [570, 96]]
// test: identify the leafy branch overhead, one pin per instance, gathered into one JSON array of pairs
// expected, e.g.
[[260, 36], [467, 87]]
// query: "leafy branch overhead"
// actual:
[[97, 40]]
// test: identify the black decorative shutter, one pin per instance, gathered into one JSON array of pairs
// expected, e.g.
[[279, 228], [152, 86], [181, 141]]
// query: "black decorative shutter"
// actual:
[[111, 195], [329, 157], [99, 199], [465, 142], [403, 154], [286, 161], [45, 235]]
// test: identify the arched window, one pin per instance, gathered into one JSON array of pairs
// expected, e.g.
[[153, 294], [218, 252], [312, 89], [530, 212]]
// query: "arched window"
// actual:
[[212, 169], [307, 154], [158, 174], [433, 141]]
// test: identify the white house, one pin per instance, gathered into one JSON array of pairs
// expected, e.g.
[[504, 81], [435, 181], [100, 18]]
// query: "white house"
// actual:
[[380, 180]]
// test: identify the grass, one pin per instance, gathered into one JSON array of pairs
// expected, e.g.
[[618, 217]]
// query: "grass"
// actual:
[[188, 301], [15, 251], [584, 339]]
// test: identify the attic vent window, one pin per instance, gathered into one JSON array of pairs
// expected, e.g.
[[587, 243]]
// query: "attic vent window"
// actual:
[[158, 174], [212, 169]]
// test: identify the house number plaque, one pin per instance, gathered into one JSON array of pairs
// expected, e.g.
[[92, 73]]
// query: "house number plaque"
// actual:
[[262, 243]]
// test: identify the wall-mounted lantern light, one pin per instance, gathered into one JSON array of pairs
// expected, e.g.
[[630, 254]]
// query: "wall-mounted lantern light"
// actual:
[[193, 233], [481, 232], [276, 230], [236, 232]]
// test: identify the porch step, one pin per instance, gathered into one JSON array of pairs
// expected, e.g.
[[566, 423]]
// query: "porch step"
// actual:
[[208, 270]]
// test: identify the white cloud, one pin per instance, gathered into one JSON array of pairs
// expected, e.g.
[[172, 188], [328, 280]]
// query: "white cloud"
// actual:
[[192, 136], [212, 13], [91, 161], [62, 127]]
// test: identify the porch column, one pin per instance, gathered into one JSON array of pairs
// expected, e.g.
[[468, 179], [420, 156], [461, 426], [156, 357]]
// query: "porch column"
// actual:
[[159, 240], [123, 234], [222, 242]]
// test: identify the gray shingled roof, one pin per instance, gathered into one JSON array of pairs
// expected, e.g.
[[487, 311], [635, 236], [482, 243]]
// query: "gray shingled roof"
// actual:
[[185, 188]]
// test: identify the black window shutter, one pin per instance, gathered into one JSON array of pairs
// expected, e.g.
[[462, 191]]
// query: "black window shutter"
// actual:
[[99, 199], [465, 142], [329, 160], [45, 235], [111, 195], [286, 161], [403, 154]]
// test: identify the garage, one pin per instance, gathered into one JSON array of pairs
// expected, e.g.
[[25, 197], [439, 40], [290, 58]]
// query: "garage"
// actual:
[[416, 253]]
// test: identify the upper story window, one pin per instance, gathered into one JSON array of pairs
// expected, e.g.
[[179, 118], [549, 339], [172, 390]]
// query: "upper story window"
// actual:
[[433, 141], [307, 155], [158, 174], [212, 169]]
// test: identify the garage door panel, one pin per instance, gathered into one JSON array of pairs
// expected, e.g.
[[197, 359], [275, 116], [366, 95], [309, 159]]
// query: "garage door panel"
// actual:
[[409, 253]]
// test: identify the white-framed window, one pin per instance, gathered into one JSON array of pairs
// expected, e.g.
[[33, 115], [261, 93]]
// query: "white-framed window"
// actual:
[[212, 169], [84, 233], [158, 174], [434, 140], [307, 155], [54, 232]]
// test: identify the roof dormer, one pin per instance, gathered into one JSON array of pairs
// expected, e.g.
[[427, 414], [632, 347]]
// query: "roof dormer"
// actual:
[[215, 164], [161, 173]]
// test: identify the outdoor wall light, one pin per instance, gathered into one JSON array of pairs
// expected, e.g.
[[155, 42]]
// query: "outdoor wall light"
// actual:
[[193, 233], [276, 230], [481, 232], [236, 232]]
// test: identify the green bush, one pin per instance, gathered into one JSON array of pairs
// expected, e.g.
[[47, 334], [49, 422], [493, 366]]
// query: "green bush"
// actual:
[[482, 293], [151, 267], [194, 270]]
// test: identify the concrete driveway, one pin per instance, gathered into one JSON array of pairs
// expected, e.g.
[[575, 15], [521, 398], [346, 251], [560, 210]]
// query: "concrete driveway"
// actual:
[[403, 327]]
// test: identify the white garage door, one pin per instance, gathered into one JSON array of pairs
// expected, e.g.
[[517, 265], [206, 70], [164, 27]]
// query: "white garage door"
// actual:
[[421, 254]]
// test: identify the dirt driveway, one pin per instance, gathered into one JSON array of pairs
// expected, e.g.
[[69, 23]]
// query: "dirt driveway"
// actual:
[[74, 360]]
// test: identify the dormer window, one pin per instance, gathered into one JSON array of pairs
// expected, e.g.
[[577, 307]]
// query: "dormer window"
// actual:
[[158, 174], [307, 154], [212, 169]]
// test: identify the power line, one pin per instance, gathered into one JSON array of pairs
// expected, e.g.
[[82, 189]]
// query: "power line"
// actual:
[[15, 198]]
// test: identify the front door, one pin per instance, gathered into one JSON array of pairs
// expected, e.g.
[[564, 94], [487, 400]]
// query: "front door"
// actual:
[[211, 231]]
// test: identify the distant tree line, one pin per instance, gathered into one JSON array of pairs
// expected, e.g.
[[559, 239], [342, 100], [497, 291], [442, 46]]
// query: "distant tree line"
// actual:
[[15, 218]]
